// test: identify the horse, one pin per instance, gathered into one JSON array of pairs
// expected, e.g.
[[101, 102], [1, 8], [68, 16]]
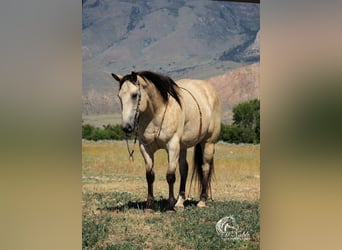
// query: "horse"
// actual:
[[174, 116]]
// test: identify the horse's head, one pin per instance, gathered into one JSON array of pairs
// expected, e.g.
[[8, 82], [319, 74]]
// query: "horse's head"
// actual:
[[130, 96], [140, 91]]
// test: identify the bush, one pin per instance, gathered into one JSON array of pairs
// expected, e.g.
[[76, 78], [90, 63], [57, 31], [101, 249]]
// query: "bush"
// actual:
[[114, 132], [246, 116], [106, 132], [230, 133], [246, 124], [87, 131]]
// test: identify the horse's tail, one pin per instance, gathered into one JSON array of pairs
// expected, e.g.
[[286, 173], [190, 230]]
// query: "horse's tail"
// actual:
[[197, 172]]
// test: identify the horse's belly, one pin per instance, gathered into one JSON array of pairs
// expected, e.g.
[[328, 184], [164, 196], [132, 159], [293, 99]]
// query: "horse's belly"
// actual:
[[187, 144], [190, 136]]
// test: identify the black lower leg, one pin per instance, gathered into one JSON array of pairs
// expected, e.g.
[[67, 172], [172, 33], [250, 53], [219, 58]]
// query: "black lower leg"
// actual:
[[184, 176], [204, 194], [150, 180], [171, 178]]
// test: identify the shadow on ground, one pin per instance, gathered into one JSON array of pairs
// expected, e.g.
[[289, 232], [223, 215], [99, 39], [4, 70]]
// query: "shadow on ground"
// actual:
[[160, 205]]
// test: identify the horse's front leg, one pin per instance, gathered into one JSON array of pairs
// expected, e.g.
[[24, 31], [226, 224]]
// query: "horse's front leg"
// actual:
[[148, 155], [173, 156]]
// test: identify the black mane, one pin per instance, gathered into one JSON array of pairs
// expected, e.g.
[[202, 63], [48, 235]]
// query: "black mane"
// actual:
[[164, 84]]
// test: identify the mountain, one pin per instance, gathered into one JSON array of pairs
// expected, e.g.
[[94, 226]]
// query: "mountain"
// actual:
[[233, 87], [236, 86], [183, 39]]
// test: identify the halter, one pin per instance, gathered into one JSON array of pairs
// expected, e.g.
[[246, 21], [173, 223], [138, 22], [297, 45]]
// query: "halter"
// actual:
[[136, 124], [135, 127]]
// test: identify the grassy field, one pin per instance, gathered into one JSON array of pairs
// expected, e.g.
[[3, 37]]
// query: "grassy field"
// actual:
[[114, 191], [103, 119]]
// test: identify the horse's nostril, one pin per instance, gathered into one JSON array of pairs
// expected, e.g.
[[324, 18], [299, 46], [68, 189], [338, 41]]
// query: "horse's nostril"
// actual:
[[127, 128]]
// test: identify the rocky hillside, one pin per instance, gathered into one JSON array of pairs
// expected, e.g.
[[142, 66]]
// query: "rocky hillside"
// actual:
[[233, 87], [236, 86], [183, 39], [195, 39]]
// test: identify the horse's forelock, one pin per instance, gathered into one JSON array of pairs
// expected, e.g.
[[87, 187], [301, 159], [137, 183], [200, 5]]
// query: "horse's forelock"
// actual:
[[132, 78]]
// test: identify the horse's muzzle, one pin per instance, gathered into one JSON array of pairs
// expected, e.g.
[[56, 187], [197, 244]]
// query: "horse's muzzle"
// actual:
[[127, 128]]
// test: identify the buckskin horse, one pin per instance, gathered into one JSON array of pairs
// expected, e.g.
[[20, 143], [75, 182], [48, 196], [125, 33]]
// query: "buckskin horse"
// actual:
[[173, 116]]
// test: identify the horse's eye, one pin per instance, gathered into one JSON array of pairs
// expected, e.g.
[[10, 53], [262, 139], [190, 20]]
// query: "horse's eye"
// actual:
[[134, 96]]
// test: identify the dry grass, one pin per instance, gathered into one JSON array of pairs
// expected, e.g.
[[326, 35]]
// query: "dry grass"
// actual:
[[111, 184], [106, 168]]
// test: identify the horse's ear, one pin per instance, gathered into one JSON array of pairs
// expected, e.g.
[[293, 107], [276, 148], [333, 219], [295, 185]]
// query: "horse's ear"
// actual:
[[116, 77], [134, 76]]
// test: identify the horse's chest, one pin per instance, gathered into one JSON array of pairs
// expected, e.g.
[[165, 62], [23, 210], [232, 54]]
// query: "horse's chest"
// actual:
[[157, 134], [147, 138], [149, 134]]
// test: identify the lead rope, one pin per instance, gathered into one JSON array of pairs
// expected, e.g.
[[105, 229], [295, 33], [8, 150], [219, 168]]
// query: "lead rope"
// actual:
[[161, 124], [131, 152], [135, 129], [199, 110]]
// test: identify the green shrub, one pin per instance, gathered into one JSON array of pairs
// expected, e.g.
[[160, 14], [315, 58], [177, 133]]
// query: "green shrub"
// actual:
[[87, 131], [246, 116], [114, 132], [106, 132], [231, 134], [246, 124]]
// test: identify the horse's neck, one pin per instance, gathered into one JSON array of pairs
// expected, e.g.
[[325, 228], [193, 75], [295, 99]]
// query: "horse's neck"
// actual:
[[155, 108], [155, 102], [150, 124]]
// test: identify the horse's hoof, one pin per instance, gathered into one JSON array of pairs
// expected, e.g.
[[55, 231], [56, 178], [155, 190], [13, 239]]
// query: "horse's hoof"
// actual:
[[180, 203], [201, 204], [171, 203], [170, 211]]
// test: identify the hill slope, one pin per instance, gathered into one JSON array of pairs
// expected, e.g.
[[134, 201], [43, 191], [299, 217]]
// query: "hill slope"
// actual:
[[236, 86], [233, 87], [184, 39]]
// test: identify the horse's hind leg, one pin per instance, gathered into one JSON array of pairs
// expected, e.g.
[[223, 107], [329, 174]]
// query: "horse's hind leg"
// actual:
[[207, 171], [183, 170]]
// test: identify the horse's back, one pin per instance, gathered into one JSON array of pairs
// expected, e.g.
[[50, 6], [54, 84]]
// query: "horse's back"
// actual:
[[206, 97], [201, 89]]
